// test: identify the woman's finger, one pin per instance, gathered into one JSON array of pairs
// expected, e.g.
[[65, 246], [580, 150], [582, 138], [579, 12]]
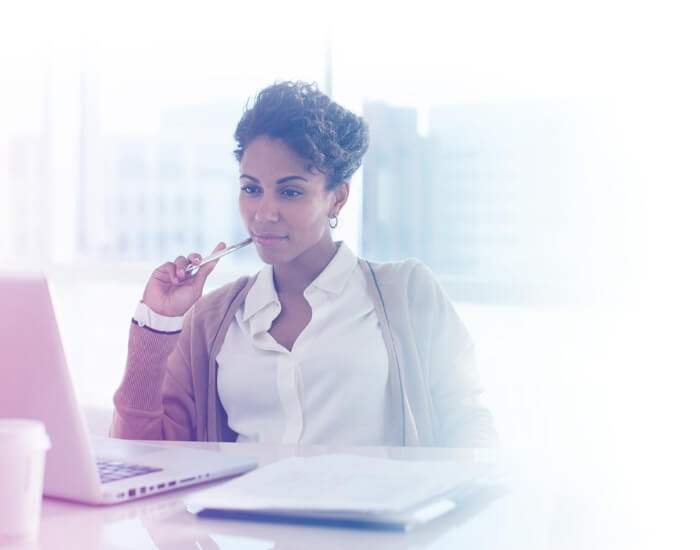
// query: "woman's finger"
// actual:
[[166, 273], [194, 258], [204, 271], [180, 265]]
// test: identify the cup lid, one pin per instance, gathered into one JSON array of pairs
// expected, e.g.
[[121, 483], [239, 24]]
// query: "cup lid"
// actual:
[[23, 433]]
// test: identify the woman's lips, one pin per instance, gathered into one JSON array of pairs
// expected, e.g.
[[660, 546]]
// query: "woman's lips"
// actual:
[[268, 239]]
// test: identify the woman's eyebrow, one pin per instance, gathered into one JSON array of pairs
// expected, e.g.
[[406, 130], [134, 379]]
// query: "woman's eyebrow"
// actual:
[[279, 181], [288, 178]]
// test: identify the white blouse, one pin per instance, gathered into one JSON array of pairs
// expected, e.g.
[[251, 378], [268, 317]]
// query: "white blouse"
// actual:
[[331, 388]]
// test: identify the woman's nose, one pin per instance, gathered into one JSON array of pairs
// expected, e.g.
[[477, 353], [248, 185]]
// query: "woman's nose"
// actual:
[[267, 210]]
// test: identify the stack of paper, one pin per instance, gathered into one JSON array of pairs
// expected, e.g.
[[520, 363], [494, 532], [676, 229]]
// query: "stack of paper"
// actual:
[[346, 488]]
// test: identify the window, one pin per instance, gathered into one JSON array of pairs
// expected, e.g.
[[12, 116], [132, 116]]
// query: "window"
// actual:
[[528, 155]]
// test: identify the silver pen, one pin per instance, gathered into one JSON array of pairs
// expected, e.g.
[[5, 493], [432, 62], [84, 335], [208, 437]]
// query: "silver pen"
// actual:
[[219, 254]]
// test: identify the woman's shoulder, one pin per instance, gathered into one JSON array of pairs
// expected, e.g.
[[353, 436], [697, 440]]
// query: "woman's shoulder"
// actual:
[[216, 302], [409, 272]]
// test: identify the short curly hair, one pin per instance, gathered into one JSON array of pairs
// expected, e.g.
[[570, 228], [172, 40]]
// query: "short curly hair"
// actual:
[[332, 138]]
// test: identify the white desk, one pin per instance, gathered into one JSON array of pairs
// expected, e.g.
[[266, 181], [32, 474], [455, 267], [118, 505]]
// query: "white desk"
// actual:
[[527, 516]]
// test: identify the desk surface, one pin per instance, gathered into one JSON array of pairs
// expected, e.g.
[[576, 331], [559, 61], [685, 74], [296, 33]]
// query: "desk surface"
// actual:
[[529, 515]]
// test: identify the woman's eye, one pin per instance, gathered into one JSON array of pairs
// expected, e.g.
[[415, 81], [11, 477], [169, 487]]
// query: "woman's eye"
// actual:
[[290, 193], [249, 189]]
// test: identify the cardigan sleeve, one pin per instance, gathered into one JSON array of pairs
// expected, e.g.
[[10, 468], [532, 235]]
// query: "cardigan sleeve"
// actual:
[[155, 398], [447, 354]]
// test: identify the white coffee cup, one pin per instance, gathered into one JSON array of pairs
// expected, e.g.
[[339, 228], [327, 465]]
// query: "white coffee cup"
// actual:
[[23, 446]]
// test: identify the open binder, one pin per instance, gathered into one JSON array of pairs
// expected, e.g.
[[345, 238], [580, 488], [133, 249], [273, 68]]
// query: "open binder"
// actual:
[[344, 490]]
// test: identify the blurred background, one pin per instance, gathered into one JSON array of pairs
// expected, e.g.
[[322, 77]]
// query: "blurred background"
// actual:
[[541, 158]]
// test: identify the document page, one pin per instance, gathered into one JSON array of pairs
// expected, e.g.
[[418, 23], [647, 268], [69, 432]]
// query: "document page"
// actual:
[[339, 483]]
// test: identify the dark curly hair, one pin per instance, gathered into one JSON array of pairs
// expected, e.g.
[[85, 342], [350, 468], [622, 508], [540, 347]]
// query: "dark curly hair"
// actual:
[[316, 128]]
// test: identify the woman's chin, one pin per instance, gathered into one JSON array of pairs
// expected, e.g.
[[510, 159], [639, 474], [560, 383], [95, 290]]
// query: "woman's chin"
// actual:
[[270, 256]]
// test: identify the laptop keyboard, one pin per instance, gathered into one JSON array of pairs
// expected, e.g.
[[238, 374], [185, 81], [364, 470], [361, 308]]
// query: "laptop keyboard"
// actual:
[[112, 470]]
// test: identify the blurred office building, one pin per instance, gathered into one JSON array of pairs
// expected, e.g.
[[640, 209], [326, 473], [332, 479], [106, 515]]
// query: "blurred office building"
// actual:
[[163, 195], [396, 204], [503, 200], [488, 198], [27, 197]]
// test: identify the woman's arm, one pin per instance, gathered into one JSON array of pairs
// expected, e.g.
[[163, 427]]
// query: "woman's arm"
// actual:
[[447, 351], [155, 399]]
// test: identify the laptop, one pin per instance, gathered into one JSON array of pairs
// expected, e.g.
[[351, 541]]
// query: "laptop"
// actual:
[[35, 383]]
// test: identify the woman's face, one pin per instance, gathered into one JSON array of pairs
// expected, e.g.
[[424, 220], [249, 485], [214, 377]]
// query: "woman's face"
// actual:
[[284, 206]]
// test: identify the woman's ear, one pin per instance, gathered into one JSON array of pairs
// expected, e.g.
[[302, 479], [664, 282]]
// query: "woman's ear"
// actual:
[[341, 192]]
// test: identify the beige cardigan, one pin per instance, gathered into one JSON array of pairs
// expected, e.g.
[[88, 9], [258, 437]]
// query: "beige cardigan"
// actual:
[[169, 387]]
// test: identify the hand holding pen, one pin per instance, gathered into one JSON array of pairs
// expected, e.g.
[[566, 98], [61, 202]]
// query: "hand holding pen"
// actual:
[[214, 256], [175, 286]]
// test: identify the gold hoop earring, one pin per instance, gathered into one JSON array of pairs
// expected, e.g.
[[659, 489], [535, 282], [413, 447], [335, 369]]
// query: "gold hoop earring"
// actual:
[[333, 222]]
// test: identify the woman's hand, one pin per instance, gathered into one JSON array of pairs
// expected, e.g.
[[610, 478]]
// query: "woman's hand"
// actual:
[[171, 291]]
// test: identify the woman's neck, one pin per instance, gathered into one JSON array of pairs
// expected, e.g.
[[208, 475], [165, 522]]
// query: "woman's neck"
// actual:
[[295, 276]]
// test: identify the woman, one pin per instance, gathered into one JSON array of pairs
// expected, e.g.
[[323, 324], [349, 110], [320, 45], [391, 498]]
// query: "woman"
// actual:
[[319, 346]]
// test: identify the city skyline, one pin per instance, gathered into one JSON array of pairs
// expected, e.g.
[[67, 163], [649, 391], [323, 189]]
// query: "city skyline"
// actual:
[[488, 196], [478, 198]]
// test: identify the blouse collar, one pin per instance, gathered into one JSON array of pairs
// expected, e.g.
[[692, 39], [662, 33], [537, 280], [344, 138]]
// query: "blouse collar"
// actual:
[[332, 279]]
